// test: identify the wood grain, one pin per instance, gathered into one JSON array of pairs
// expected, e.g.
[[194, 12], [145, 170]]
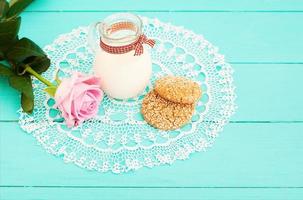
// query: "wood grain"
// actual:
[[242, 37], [260, 98], [167, 6], [153, 193], [258, 156], [245, 155]]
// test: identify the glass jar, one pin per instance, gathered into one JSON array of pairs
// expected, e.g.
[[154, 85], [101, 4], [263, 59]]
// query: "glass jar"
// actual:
[[122, 58]]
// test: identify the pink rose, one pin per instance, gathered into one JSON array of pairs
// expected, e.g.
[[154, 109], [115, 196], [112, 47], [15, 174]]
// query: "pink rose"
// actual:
[[78, 98]]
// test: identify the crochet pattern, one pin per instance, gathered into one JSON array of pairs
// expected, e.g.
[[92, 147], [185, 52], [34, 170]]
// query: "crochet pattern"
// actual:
[[118, 139]]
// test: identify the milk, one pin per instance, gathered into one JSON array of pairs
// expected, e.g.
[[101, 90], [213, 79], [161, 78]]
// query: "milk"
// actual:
[[123, 75]]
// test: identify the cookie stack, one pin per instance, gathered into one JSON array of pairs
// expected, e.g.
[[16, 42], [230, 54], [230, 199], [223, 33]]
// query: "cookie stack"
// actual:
[[172, 102]]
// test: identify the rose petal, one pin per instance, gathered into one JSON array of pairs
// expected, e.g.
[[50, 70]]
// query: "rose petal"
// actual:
[[78, 98], [96, 93], [90, 80], [69, 122], [88, 100], [78, 103], [82, 87], [61, 93]]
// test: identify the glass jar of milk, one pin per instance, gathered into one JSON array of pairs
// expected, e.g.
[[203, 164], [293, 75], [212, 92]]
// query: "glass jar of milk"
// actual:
[[122, 58]]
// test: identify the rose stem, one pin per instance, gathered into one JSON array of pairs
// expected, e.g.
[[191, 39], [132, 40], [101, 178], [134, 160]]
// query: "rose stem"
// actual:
[[38, 76]]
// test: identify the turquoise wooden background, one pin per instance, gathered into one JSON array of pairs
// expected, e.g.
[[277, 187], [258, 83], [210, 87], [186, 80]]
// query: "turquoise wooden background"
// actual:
[[258, 156]]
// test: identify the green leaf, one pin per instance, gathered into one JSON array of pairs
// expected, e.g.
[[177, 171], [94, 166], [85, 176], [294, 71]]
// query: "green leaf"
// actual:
[[24, 85], [25, 52], [39, 64], [5, 71], [8, 33], [1, 55], [3, 8], [51, 90], [20, 83], [16, 7], [9, 29], [27, 103], [22, 50]]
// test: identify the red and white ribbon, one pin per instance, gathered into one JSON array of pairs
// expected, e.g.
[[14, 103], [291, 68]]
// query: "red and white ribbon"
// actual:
[[137, 45]]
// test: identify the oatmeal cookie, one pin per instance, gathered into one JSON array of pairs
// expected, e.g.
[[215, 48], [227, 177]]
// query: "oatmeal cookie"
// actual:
[[164, 114], [178, 89]]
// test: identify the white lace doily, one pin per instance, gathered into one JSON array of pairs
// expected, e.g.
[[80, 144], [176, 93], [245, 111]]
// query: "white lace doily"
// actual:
[[118, 139]]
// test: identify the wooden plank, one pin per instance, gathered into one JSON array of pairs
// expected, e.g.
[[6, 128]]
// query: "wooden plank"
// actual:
[[242, 37], [159, 5], [236, 45], [151, 193], [268, 92], [9, 101], [263, 157], [245, 155], [265, 93]]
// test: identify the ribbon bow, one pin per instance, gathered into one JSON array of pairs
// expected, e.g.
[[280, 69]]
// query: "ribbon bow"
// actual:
[[139, 44]]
